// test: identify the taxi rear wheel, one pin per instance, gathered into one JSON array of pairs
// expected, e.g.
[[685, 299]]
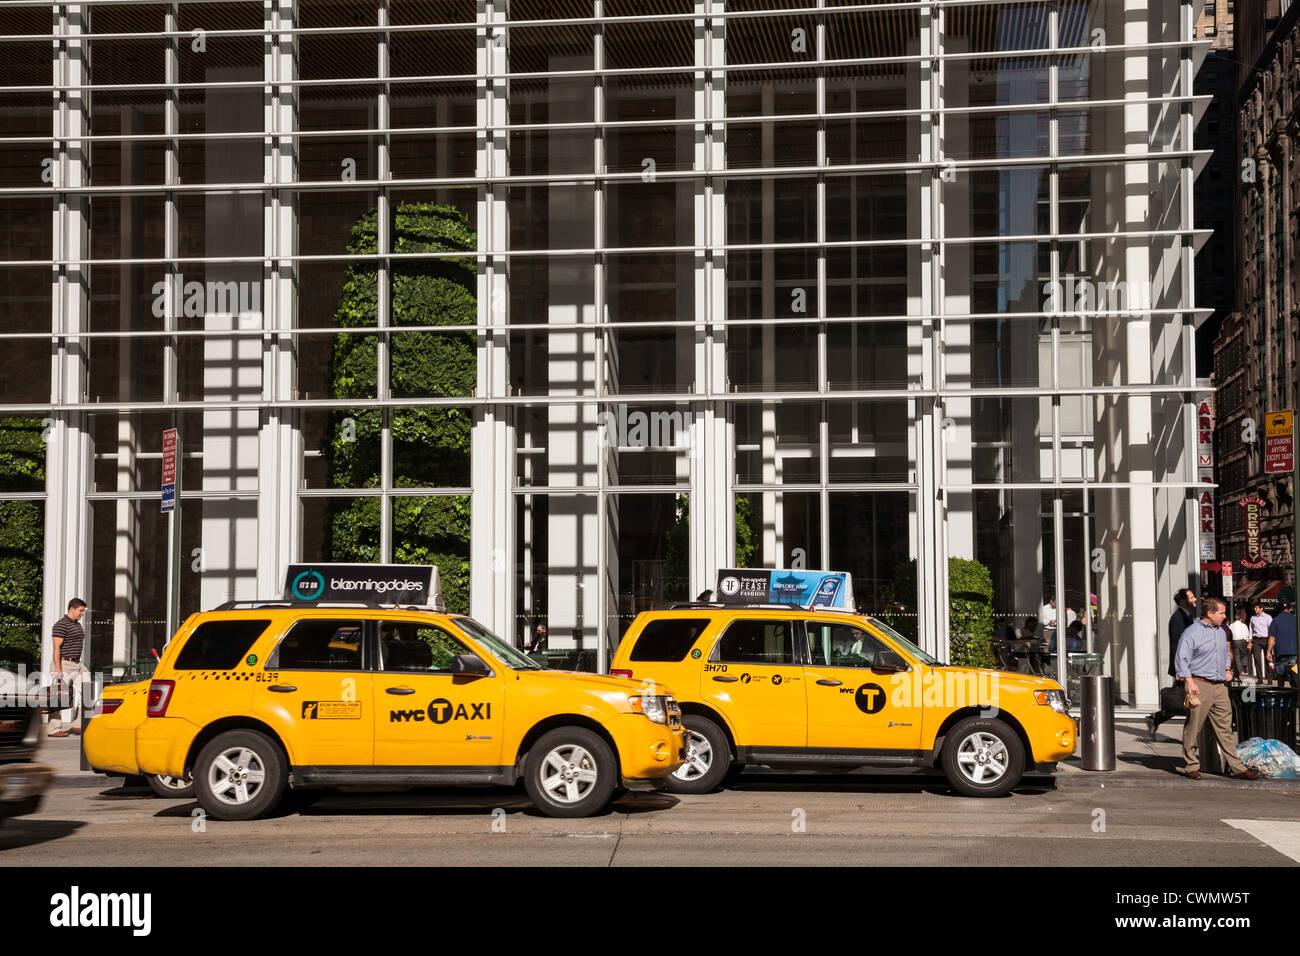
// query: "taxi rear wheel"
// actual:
[[983, 757], [570, 772], [239, 775], [708, 757]]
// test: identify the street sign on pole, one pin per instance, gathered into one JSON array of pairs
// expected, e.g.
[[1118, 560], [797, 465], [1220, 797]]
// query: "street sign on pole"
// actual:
[[1226, 567], [1278, 457], [169, 470]]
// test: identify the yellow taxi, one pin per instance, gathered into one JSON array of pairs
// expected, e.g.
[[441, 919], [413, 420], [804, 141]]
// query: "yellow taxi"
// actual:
[[815, 688], [252, 698]]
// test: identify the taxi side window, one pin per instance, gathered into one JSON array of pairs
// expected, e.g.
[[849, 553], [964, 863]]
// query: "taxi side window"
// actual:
[[841, 645], [756, 642], [320, 646], [420, 648]]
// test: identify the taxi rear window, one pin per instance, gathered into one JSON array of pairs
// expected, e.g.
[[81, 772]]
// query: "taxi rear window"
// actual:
[[218, 645], [667, 639]]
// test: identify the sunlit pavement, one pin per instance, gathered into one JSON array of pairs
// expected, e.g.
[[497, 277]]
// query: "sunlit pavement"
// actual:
[[1150, 818]]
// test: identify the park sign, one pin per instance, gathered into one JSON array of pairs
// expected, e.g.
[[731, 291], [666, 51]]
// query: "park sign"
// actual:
[[781, 586], [385, 584]]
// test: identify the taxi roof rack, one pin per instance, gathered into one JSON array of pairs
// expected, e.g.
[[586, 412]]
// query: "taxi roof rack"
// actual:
[[323, 605], [692, 605]]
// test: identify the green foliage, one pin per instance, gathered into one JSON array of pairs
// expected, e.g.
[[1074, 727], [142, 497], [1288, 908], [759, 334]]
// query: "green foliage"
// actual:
[[431, 446], [970, 609], [22, 540], [745, 546], [677, 539], [970, 613]]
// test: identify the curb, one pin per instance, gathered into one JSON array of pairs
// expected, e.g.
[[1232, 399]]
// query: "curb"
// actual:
[[1082, 779]]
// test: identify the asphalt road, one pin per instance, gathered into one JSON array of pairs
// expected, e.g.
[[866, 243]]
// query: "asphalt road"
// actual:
[[765, 819]]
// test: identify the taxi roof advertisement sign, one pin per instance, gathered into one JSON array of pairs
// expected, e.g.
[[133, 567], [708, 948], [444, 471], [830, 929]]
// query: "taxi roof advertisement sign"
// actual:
[[363, 583], [782, 586]]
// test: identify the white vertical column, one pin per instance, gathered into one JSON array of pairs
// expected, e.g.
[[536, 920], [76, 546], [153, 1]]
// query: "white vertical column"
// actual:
[[492, 457], [69, 450], [712, 523], [280, 440]]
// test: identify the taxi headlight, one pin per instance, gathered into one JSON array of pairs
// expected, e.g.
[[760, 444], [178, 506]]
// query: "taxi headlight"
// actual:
[[652, 706], [1054, 699]]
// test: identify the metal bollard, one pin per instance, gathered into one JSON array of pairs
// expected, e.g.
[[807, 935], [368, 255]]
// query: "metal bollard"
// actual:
[[1097, 722]]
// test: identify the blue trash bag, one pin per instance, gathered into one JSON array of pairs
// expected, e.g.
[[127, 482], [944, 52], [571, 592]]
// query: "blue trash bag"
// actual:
[[1272, 758]]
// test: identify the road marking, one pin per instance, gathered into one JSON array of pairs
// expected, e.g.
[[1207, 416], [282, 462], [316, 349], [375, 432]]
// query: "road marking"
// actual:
[[592, 836], [1281, 835]]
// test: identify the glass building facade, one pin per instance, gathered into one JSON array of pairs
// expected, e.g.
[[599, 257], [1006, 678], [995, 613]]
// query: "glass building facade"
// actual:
[[583, 300]]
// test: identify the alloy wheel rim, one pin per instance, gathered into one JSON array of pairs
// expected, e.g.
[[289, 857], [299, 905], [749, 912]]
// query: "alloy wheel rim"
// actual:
[[982, 758], [236, 776], [173, 783], [568, 773], [699, 757]]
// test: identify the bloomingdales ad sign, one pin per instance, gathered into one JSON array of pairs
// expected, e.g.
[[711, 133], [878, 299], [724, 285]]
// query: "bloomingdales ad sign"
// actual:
[[1254, 506], [363, 583]]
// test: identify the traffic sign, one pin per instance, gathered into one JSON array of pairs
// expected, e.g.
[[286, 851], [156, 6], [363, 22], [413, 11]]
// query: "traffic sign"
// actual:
[[1278, 451], [169, 470], [1226, 567]]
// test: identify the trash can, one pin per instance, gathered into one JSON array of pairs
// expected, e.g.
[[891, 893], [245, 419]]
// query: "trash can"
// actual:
[[1268, 712], [1097, 722]]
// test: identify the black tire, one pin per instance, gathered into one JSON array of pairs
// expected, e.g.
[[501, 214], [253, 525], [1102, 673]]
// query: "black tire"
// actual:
[[971, 750], [170, 787], [263, 752], [552, 757], [717, 758]]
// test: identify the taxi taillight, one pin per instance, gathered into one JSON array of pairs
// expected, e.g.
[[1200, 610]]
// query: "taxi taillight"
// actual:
[[160, 695], [109, 704], [627, 674]]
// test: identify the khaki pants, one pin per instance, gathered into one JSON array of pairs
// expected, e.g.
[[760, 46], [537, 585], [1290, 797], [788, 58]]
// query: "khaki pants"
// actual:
[[73, 674], [1216, 706]]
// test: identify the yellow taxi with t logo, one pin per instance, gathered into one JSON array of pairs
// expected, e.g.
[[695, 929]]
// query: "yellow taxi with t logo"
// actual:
[[787, 686], [252, 698]]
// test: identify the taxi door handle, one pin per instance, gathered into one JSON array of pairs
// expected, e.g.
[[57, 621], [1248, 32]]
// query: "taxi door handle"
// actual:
[[401, 690], [282, 688], [829, 683], [726, 679]]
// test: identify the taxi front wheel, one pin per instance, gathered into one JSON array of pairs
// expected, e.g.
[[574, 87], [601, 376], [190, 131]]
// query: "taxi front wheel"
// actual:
[[570, 772], [239, 775], [983, 757], [708, 757]]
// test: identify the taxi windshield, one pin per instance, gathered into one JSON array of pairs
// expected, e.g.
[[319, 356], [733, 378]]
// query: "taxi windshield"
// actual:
[[498, 648], [907, 645]]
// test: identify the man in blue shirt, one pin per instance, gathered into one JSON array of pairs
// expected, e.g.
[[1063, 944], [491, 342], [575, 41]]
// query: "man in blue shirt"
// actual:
[[1281, 643], [1202, 663]]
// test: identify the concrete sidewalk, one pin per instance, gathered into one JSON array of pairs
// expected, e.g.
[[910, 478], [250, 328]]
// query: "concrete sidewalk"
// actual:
[[1140, 761], [1145, 761]]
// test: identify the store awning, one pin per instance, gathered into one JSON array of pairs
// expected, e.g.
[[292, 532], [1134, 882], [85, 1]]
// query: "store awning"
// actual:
[[1269, 591], [1246, 590]]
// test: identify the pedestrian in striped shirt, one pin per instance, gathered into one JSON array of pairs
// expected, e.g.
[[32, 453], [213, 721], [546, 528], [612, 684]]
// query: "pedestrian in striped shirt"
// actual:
[[69, 642]]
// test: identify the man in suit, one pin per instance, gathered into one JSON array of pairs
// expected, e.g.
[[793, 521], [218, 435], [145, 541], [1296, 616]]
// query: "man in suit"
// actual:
[[1183, 617]]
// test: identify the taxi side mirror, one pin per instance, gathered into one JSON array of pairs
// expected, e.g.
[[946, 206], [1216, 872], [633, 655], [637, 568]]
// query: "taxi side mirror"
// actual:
[[467, 665], [889, 661]]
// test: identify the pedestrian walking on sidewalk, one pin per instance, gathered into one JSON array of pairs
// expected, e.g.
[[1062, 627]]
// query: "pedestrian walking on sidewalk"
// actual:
[[69, 641], [1241, 643], [1182, 618], [1259, 623], [1282, 643], [1202, 663]]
